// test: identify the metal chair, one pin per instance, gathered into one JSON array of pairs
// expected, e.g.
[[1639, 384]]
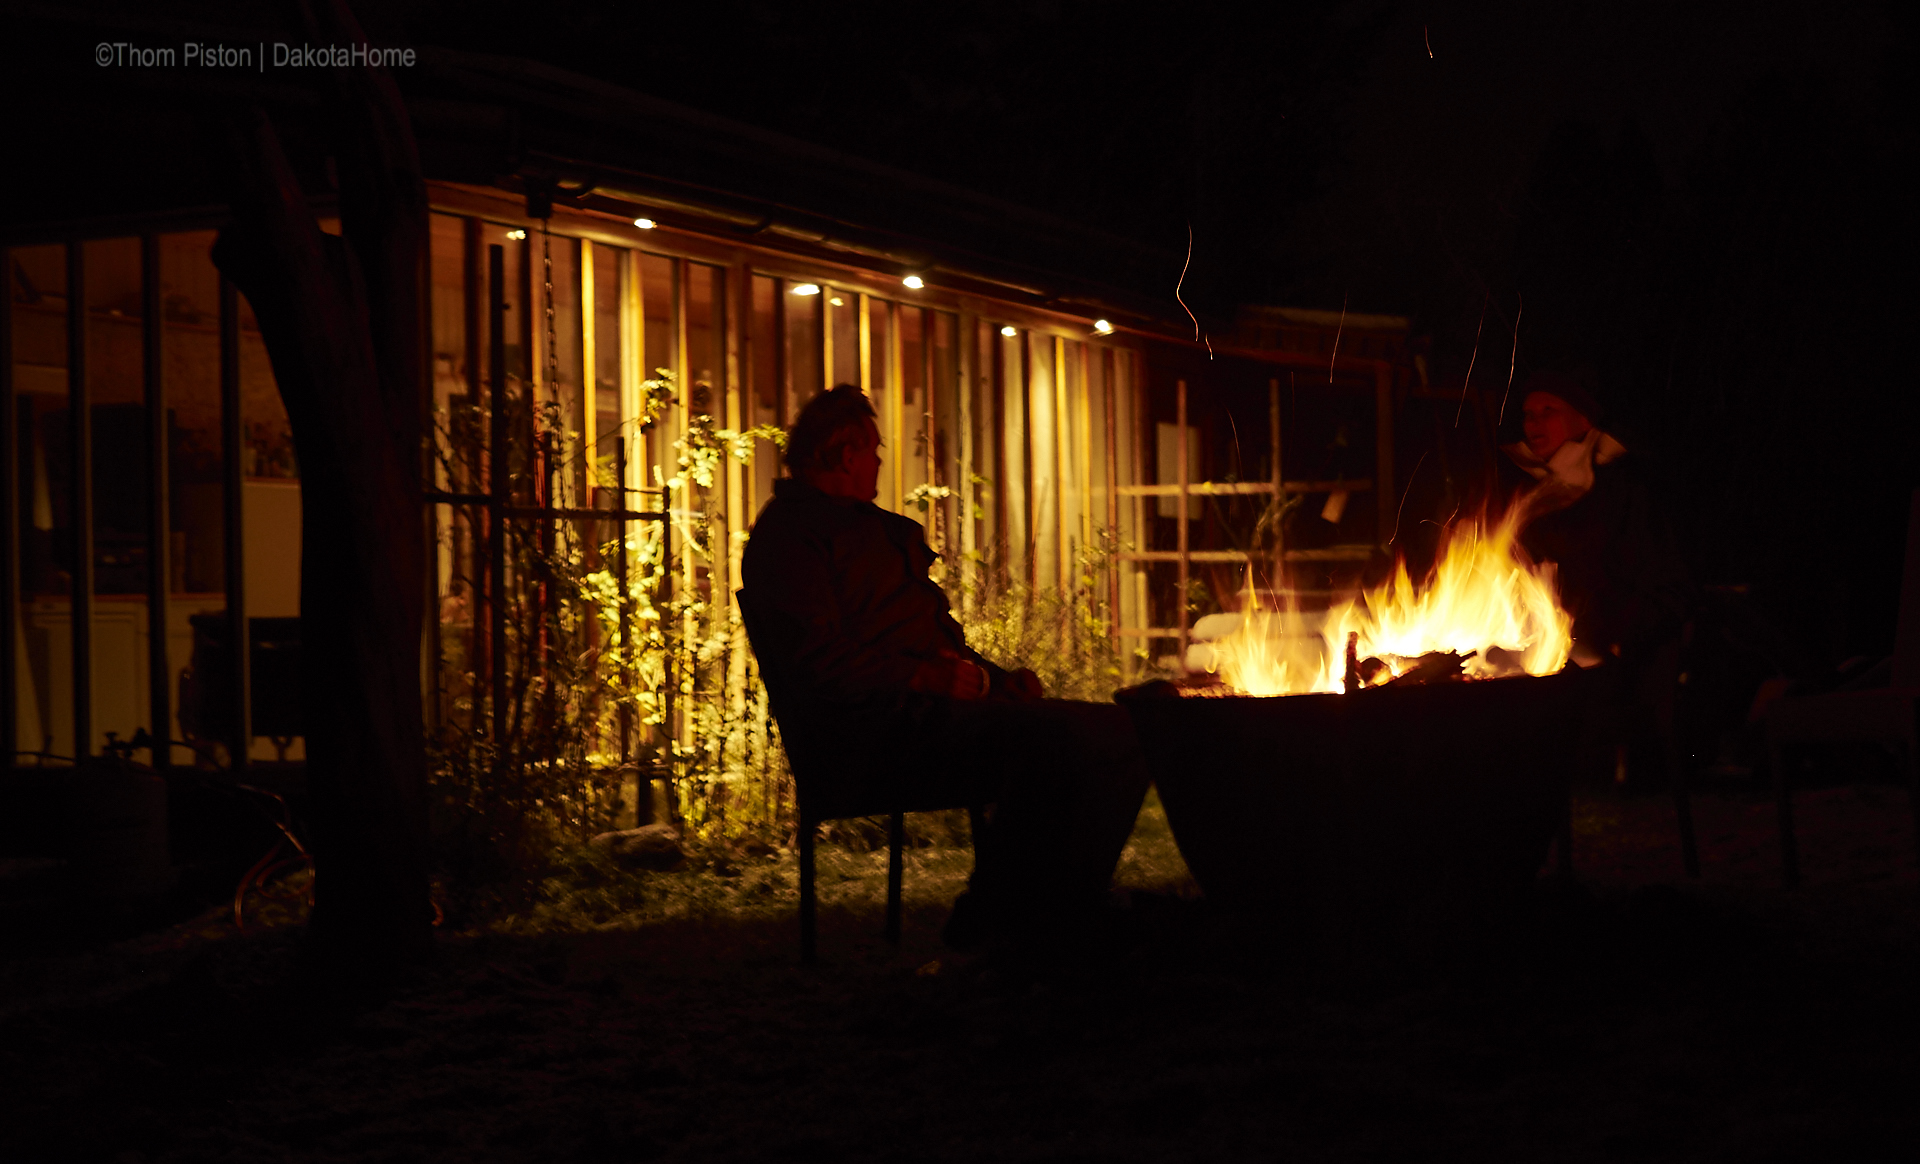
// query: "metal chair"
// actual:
[[814, 790], [1885, 715]]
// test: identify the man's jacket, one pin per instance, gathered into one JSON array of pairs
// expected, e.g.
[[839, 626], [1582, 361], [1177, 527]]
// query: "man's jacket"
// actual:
[[844, 605]]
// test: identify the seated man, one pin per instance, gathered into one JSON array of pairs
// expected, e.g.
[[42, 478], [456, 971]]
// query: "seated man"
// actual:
[[878, 692], [1592, 510]]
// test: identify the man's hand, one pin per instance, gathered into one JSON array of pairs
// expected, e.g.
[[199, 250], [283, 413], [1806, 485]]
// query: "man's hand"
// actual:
[[953, 675], [1024, 685]]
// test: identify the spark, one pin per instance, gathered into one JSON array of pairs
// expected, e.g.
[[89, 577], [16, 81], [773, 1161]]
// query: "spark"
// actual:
[[1429, 39], [1404, 495], [1336, 338], [1513, 359], [1464, 384], [1183, 303]]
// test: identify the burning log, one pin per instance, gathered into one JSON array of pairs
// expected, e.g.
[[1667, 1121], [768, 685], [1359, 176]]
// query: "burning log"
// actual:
[[1485, 606]]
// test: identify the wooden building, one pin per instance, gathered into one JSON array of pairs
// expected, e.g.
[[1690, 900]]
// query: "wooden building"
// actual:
[[1046, 407]]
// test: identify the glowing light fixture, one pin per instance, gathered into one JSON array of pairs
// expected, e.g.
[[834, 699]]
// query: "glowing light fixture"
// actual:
[[807, 289], [516, 235], [837, 301], [645, 223], [1103, 327], [914, 282], [1009, 331]]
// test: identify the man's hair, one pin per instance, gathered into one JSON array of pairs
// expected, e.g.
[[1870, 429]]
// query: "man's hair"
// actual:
[[829, 422]]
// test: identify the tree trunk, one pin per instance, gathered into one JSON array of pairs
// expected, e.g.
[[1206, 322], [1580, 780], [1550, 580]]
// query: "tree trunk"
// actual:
[[344, 323]]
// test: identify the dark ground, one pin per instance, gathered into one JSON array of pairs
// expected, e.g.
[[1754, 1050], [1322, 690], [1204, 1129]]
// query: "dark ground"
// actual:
[[1645, 1018]]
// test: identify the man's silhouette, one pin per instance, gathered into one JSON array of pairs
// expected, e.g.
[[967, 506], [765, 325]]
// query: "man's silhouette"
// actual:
[[877, 690]]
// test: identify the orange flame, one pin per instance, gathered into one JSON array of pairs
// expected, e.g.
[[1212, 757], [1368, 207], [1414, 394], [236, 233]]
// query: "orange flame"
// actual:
[[1485, 599]]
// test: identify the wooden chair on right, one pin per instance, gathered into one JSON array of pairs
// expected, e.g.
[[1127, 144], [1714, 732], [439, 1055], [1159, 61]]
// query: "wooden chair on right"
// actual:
[[1885, 715]]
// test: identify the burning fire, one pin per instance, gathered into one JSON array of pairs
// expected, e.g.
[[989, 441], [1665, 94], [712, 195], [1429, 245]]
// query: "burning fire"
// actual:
[[1485, 600]]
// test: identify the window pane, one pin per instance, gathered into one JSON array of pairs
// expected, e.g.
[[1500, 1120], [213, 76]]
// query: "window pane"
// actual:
[[459, 434], [196, 523], [804, 375], [116, 396], [893, 435], [706, 331], [609, 266], [843, 316], [763, 394], [658, 279], [43, 708]]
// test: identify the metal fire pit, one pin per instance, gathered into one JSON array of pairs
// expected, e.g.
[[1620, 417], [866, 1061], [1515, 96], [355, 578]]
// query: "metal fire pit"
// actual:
[[1395, 820]]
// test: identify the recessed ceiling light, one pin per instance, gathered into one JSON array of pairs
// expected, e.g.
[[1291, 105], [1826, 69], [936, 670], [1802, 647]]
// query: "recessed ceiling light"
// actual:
[[914, 282], [807, 289], [645, 223], [1103, 327]]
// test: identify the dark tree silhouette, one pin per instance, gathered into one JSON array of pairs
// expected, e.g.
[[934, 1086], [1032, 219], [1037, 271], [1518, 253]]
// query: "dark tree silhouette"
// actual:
[[344, 323]]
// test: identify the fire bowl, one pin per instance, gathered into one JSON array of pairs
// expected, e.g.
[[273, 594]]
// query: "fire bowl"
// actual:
[[1393, 821]]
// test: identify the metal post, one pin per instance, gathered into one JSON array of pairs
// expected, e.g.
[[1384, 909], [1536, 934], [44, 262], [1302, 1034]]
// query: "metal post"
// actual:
[[499, 441], [1111, 400], [80, 437], [624, 714], [1182, 469], [159, 547], [234, 475]]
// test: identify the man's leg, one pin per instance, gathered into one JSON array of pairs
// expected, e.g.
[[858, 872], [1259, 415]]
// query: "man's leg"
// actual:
[[1066, 780]]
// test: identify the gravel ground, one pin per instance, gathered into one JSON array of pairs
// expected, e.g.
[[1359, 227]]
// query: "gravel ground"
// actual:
[[1643, 1017]]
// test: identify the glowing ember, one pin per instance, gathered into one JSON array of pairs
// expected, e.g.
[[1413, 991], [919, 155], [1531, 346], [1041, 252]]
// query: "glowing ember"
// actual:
[[1485, 599]]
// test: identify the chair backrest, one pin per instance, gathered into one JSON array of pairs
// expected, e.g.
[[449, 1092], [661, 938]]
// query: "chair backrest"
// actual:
[[760, 638], [1906, 635]]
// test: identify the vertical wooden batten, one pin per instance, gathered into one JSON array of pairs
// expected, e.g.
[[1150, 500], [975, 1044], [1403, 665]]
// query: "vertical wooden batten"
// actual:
[[9, 535], [159, 556], [966, 344], [896, 406], [1084, 462], [1064, 472], [862, 304], [589, 376]]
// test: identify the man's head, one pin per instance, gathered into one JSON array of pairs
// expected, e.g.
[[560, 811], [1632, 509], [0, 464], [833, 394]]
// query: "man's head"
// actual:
[[834, 445], [1556, 409]]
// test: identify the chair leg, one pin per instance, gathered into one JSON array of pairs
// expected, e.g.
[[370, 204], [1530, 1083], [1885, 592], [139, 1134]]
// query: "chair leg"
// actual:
[[807, 902], [896, 840], [1783, 793]]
